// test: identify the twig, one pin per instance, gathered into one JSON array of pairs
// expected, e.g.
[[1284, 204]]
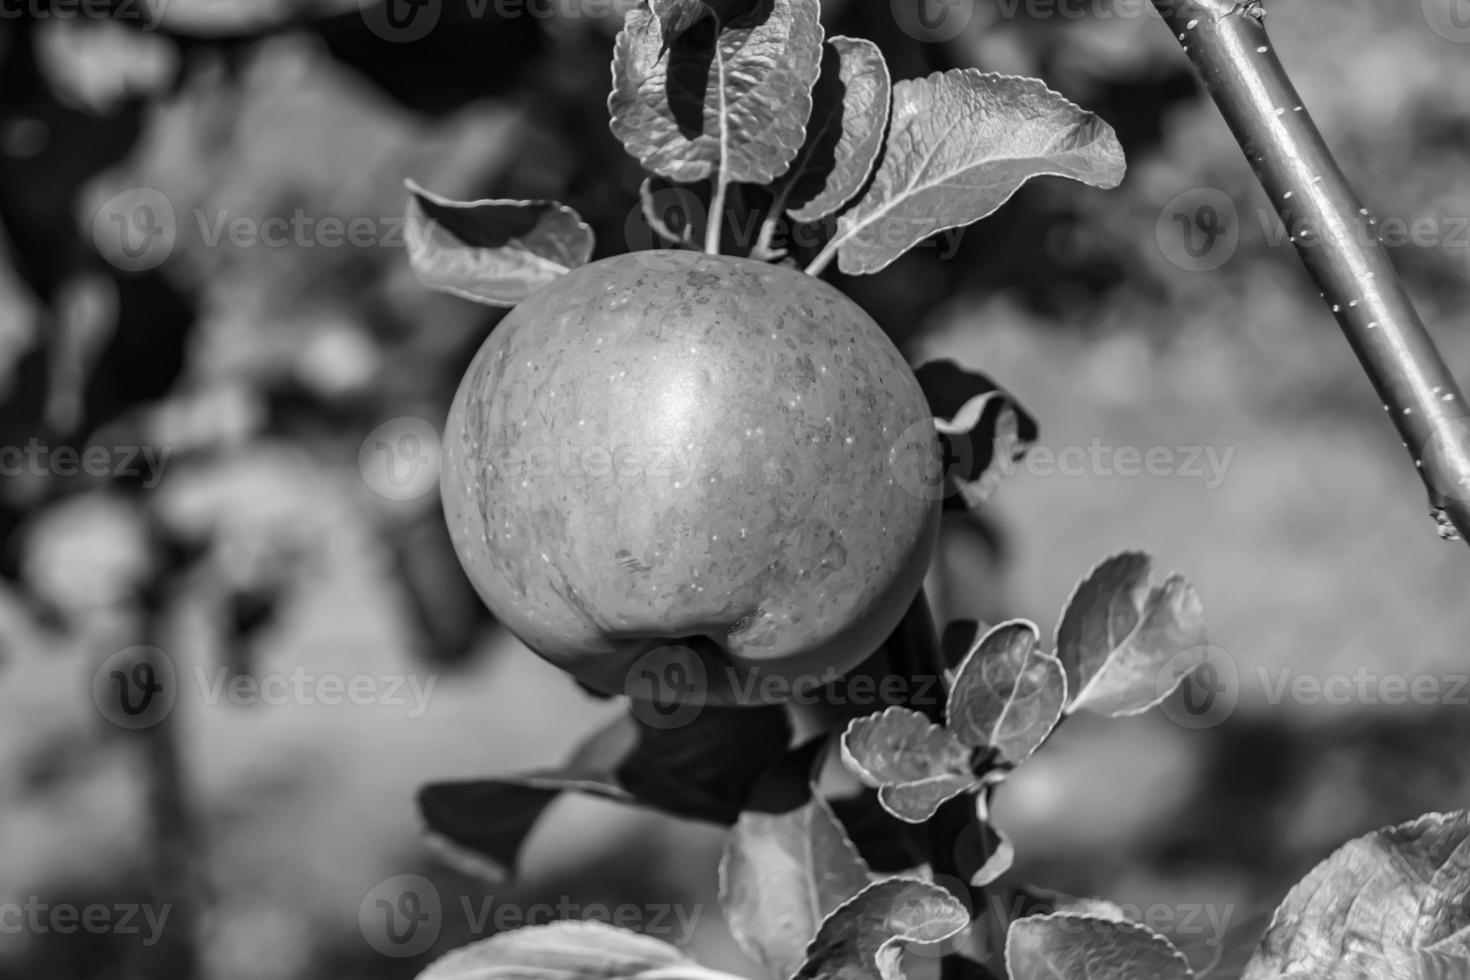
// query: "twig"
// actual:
[[1228, 45], [915, 649]]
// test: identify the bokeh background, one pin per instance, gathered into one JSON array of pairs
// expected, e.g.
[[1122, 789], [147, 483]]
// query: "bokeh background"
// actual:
[[148, 301]]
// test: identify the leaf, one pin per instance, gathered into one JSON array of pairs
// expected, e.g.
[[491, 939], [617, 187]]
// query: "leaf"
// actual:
[[984, 431], [1007, 693], [1391, 904], [913, 763], [704, 770], [887, 844], [480, 825], [780, 876], [1125, 645], [707, 768], [492, 252], [677, 16], [674, 216], [960, 143], [1082, 947], [860, 939], [730, 98], [1000, 852], [569, 950], [844, 134]]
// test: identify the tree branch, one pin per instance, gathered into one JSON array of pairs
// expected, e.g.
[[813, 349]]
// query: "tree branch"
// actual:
[[1228, 45]]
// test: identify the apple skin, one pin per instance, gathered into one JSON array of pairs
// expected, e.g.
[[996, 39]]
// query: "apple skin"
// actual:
[[699, 459]]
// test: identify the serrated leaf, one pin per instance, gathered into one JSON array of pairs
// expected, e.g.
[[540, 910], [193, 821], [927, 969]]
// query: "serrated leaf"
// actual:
[[570, 950], [493, 252], [1391, 904], [677, 16], [1007, 694], [844, 134], [1080, 947], [983, 429], [728, 98], [1126, 646], [913, 763], [861, 938], [781, 874], [959, 145]]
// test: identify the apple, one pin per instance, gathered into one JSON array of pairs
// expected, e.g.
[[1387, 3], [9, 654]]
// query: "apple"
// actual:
[[702, 463]]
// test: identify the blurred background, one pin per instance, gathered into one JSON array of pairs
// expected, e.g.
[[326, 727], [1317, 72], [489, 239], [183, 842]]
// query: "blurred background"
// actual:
[[220, 386]]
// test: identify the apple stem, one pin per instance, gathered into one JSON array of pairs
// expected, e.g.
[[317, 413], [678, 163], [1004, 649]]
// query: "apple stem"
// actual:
[[716, 215], [1227, 43]]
